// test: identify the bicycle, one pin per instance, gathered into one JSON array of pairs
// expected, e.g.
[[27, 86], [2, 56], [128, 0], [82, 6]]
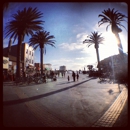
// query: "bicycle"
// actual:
[[32, 79], [41, 79], [21, 80]]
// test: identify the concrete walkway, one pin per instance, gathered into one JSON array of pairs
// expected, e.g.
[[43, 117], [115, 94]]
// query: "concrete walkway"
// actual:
[[84, 103]]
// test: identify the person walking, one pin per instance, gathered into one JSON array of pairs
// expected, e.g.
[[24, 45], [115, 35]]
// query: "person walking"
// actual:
[[62, 74], [68, 78], [77, 76], [73, 75]]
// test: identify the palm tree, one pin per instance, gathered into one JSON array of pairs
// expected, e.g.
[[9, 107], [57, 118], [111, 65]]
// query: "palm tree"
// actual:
[[40, 39], [24, 22], [95, 39], [113, 18], [9, 47]]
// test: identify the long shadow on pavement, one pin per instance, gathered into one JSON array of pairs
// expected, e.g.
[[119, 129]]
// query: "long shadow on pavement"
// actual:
[[13, 102]]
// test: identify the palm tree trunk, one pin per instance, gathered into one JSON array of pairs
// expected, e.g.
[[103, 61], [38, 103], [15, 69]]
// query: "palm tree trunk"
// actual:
[[19, 55], [121, 54], [41, 60], [98, 59], [9, 46], [120, 48]]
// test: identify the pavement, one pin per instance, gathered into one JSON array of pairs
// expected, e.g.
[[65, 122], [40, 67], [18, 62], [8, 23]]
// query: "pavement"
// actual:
[[84, 103]]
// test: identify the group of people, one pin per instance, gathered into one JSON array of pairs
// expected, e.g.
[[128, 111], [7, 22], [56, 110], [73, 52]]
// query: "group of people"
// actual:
[[74, 76], [8, 75]]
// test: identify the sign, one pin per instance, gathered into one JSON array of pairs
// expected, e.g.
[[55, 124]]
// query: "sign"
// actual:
[[5, 62]]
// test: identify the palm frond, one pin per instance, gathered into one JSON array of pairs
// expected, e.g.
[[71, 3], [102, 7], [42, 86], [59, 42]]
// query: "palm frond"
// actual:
[[94, 38], [42, 38], [112, 17], [24, 22], [90, 44]]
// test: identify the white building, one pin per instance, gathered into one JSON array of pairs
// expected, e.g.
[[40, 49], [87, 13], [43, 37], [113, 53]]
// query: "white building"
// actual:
[[62, 68], [28, 55]]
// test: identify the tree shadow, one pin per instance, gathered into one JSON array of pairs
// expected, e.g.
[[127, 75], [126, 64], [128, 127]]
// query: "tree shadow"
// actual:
[[13, 102]]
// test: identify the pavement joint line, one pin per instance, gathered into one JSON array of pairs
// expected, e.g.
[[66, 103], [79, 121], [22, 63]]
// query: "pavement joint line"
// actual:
[[114, 110]]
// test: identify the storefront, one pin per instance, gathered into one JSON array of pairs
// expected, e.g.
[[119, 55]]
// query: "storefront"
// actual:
[[5, 63], [5, 67]]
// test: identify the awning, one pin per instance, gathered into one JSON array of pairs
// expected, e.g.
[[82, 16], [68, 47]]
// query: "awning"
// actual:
[[30, 65]]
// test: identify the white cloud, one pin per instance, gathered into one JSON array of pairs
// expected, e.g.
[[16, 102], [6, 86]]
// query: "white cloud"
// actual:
[[81, 37], [80, 58], [78, 45], [71, 46], [76, 64], [78, 28]]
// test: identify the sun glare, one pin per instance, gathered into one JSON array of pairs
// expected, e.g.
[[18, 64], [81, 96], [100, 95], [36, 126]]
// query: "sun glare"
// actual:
[[109, 46]]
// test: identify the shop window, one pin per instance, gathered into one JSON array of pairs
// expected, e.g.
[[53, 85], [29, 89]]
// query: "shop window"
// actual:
[[26, 59]]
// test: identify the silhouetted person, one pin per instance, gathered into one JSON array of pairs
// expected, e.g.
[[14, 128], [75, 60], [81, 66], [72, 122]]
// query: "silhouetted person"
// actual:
[[77, 76], [68, 78], [62, 74], [73, 75]]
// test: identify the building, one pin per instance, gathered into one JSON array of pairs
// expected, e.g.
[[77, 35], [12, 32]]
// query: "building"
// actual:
[[5, 63], [48, 66], [113, 62], [45, 66], [27, 55], [62, 68]]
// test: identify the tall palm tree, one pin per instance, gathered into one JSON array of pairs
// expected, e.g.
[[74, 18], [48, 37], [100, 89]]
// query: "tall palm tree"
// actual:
[[113, 18], [9, 47], [24, 22], [40, 39], [95, 39]]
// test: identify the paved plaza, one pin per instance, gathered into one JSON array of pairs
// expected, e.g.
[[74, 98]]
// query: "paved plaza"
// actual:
[[83, 103]]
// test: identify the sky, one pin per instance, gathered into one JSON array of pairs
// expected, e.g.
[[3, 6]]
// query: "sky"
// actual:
[[71, 23]]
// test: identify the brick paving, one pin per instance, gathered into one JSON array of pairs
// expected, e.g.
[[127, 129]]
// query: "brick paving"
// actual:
[[112, 114]]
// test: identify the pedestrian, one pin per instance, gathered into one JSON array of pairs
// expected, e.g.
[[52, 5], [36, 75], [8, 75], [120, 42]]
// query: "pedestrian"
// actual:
[[58, 73], [68, 78], [73, 75], [62, 74], [77, 76]]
